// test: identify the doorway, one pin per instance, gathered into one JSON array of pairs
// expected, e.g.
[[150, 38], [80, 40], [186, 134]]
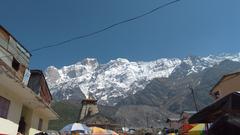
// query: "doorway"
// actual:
[[25, 121]]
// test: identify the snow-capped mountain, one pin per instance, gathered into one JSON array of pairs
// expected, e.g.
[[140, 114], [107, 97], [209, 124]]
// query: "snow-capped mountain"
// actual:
[[120, 78]]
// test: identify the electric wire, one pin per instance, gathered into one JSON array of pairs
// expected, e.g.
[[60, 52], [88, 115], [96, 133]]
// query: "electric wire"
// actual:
[[106, 28], [100, 30]]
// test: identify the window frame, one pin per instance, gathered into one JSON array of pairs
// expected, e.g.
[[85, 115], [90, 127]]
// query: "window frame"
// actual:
[[15, 64], [6, 104]]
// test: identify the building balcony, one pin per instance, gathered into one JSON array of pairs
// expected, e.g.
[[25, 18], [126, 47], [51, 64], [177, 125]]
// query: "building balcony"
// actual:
[[14, 58]]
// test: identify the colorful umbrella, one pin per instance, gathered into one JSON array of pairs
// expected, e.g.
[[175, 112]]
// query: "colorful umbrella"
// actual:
[[185, 128], [97, 131], [81, 128], [199, 129], [101, 131], [52, 132]]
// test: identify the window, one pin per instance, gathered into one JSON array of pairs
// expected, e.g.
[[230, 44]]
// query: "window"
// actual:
[[15, 64], [4, 106], [40, 124], [216, 94]]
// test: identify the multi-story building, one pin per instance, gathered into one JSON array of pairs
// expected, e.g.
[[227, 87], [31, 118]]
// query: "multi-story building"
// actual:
[[24, 95]]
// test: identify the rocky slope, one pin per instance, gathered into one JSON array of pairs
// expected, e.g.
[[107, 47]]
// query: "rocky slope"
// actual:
[[137, 91], [174, 93], [120, 78]]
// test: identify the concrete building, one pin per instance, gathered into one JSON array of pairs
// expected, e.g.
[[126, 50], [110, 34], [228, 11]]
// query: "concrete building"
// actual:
[[173, 123], [227, 84], [22, 108], [185, 115]]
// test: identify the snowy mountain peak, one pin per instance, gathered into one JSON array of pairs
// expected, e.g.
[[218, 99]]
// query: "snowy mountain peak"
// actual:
[[90, 62], [118, 61], [120, 78], [52, 75]]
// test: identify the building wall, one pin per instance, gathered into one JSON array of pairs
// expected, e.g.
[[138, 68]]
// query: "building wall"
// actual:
[[35, 120], [9, 46], [4, 35], [86, 108], [174, 124], [185, 118], [34, 125], [32, 120], [27, 113], [14, 113], [16, 110], [44, 93], [228, 85], [6, 60]]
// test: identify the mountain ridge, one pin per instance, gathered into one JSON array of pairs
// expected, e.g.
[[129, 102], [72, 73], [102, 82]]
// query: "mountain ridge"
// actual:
[[157, 98], [117, 79]]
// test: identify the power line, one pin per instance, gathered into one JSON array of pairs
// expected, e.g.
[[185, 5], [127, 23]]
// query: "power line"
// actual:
[[106, 28], [100, 30]]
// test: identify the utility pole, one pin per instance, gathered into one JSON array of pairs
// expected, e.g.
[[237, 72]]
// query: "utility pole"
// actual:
[[194, 99], [147, 121]]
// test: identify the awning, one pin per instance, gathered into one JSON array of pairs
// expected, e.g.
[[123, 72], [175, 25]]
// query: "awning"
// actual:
[[198, 129], [185, 128], [229, 124], [228, 104]]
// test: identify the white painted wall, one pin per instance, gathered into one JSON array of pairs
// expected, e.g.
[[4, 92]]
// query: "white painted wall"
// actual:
[[8, 127], [32, 120], [16, 110], [14, 113], [36, 116]]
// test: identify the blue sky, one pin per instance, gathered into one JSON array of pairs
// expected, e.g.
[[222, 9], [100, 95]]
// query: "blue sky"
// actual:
[[189, 27]]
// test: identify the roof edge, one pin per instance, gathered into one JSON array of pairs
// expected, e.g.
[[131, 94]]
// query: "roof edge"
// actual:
[[222, 78], [15, 39]]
